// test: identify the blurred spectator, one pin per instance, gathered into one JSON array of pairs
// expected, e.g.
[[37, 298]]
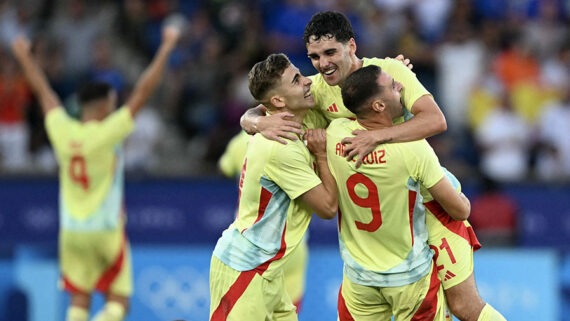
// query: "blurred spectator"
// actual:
[[494, 216], [504, 141], [516, 63], [460, 63], [76, 28], [545, 34], [285, 28], [102, 67], [140, 146], [15, 96], [553, 161], [16, 17]]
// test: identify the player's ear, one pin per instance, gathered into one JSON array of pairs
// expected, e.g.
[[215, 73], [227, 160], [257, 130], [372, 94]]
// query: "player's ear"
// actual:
[[352, 45], [277, 101], [378, 105]]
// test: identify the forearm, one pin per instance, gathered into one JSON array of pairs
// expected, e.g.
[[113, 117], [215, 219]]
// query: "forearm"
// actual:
[[250, 119], [329, 183], [150, 78], [418, 127], [38, 83]]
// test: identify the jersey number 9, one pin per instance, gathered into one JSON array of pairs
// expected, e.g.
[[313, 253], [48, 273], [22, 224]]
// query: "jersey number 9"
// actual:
[[78, 171], [371, 201]]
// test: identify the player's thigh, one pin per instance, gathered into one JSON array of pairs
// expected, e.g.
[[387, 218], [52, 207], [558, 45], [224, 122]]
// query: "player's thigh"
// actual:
[[294, 271], [122, 283], [362, 303], [453, 251], [421, 300], [464, 300], [236, 295], [79, 260]]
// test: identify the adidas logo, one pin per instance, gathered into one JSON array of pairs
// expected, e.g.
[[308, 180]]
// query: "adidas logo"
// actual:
[[448, 275], [332, 108]]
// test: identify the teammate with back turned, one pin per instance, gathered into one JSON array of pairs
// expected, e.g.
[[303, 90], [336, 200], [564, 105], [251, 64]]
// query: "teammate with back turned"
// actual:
[[94, 252]]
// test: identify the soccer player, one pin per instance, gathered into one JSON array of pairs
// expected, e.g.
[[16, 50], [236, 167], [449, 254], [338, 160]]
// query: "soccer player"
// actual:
[[93, 249], [278, 192], [388, 266], [295, 269], [330, 43]]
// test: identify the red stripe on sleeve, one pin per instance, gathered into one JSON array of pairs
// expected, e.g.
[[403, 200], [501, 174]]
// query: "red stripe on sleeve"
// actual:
[[343, 313], [230, 298], [411, 206], [428, 308], [457, 227], [264, 198]]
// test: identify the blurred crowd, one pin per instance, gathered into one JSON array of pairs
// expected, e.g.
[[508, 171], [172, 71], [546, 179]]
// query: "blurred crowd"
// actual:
[[499, 69]]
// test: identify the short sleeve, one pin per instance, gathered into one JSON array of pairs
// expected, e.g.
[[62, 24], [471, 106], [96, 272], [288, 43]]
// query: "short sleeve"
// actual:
[[426, 168], [114, 128], [57, 123], [291, 168]]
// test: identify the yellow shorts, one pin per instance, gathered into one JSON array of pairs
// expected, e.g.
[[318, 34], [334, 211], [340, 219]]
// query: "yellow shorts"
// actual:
[[95, 260], [422, 300], [294, 271], [239, 296], [453, 243]]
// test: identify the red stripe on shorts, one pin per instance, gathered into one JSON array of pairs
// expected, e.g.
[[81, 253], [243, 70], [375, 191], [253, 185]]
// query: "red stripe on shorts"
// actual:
[[113, 271], [457, 227], [69, 287], [428, 308], [343, 313], [242, 282], [234, 293]]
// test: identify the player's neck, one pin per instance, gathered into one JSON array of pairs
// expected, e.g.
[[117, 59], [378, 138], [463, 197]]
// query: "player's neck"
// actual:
[[298, 117], [375, 122]]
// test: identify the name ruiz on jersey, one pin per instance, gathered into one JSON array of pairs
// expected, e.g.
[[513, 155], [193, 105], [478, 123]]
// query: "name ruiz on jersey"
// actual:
[[375, 157]]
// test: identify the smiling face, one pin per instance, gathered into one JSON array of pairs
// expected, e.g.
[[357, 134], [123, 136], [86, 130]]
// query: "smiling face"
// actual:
[[331, 58], [294, 91]]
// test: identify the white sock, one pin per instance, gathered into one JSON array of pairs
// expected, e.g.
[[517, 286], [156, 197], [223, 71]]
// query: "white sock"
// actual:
[[75, 313], [111, 311]]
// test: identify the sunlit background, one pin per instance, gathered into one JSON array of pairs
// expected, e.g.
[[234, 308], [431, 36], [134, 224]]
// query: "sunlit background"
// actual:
[[499, 70]]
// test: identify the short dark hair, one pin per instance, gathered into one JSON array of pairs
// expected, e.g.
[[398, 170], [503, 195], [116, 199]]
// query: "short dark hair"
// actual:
[[92, 91], [328, 24], [266, 74], [359, 87]]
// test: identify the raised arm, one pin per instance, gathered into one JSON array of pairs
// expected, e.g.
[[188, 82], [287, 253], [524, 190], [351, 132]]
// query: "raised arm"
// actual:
[[274, 127], [456, 205], [152, 75], [323, 198], [428, 121], [34, 75]]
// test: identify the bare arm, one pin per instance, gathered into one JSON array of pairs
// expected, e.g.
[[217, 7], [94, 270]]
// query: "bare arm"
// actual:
[[456, 205], [150, 78], [274, 127], [323, 198], [428, 120], [34, 75]]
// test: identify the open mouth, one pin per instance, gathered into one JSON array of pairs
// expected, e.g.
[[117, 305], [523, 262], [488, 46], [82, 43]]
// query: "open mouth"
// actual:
[[329, 72], [308, 95]]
